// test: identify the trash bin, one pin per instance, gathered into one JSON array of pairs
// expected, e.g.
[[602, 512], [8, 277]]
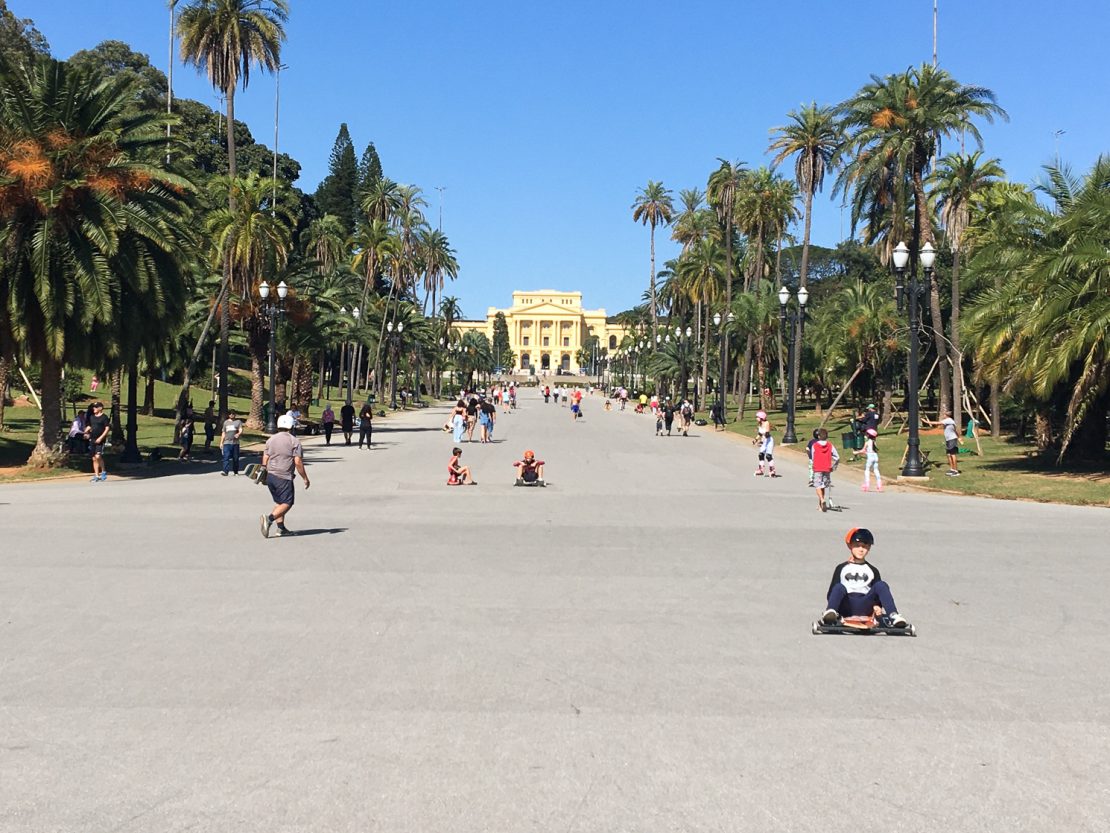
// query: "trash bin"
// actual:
[[849, 441]]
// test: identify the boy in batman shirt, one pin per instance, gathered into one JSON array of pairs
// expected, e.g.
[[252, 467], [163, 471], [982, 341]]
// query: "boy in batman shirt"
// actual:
[[856, 586]]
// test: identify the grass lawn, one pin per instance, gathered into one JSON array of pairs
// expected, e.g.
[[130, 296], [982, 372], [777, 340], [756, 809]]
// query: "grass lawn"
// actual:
[[1008, 468], [21, 427]]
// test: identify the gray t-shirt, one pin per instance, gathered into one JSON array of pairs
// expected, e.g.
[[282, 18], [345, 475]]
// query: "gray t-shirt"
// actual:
[[282, 448], [950, 431], [232, 427]]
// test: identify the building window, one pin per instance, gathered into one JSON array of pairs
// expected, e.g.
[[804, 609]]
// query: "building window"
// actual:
[[546, 341], [524, 340], [566, 341], [565, 363], [525, 361], [612, 342]]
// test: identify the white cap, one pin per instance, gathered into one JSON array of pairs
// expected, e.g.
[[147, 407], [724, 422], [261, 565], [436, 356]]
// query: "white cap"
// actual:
[[285, 421]]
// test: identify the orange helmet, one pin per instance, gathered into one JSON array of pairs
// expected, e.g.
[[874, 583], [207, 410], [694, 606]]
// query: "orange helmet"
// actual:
[[528, 455]]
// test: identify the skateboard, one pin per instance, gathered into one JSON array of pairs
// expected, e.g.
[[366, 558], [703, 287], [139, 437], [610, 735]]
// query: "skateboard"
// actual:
[[256, 472], [863, 626], [521, 482]]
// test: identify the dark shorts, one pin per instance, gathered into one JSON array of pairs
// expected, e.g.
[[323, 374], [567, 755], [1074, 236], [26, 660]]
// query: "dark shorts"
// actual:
[[952, 447], [280, 490], [96, 449]]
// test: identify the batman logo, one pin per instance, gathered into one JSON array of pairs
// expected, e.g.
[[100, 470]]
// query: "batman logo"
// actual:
[[856, 577]]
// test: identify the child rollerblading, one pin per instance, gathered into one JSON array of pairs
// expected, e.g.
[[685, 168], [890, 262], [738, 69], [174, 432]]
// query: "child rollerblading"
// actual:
[[871, 461]]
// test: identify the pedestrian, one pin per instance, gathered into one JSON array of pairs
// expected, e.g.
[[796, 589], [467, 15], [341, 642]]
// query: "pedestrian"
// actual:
[[97, 432], [507, 395], [188, 425], [825, 459], [95, 383], [623, 397], [687, 413], [347, 421], [471, 418], [765, 439], [658, 424], [232, 431], [809, 454], [283, 456], [546, 394], [457, 473], [328, 420], [489, 411], [718, 413], [209, 425], [668, 415], [366, 426], [564, 392], [951, 442], [871, 461], [76, 440]]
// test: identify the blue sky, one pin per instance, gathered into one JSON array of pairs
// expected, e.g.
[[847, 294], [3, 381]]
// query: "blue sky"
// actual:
[[542, 120]]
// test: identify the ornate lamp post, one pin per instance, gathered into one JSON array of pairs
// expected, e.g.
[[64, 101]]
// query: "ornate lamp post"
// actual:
[[914, 294], [355, 313], [792, 321], [682, 338], [395, 331], [717, 319], [272, 308]]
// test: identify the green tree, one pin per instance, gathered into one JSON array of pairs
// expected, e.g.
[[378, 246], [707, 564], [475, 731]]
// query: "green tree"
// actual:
[[1044, 328], [90, 221], [369, 170], [115, 59], [337, 193], [438, 261], [501, 348], [20, 42], [956, 181], [228, 38], [654, 206], [895, 126]]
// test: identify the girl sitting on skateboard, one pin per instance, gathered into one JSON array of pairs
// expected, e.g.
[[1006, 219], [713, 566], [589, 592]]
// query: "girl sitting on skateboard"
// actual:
[[458, 474], [531, 469], [856, 588]]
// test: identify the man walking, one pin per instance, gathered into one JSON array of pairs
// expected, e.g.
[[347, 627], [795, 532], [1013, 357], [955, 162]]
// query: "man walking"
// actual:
[[366, 426], [347, 419], [283, 456], [951, 443], [97, 432], [233, 430]]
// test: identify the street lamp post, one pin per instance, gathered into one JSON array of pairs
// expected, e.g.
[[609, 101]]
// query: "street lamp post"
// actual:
[[682, 339], [792, 321], [914, 294], [717, 319], [355, 313], [395, 331], [273, 308]]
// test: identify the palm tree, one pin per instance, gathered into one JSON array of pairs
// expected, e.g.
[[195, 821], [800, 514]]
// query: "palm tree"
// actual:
[[438, 259], [227, 38], [653, 207], [898, 123], [1044, 330], [694, 222], [956, 182], [326, 243], [720, 192], [92, 226], [374, 243], [811, 137], [253, 240]]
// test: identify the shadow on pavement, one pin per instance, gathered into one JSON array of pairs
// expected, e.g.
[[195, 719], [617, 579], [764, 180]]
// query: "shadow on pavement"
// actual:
[[301, 532]]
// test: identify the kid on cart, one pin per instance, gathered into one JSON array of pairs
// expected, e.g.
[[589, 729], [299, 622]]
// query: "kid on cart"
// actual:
[[856, 588]]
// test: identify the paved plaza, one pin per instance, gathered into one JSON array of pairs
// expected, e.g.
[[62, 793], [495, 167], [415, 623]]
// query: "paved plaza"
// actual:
[[626, 650]]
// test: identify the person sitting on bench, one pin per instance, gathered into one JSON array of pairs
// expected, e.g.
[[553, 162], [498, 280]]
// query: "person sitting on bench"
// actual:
[[531, 469], [458, 474]]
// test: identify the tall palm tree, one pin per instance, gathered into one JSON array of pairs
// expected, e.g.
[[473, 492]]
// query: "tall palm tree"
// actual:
[[381, 200], [228, 38], [254, 241], [654, 206], [89, 221], [694, 222], [326, 242], [438, 260], [720, 192], [899, 122], [811, 137], [956, 181]]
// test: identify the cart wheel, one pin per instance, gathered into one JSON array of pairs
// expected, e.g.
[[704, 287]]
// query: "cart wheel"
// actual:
[[815, 629], [913, 631]]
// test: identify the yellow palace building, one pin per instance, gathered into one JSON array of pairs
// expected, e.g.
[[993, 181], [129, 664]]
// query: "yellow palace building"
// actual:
[[547, 329]]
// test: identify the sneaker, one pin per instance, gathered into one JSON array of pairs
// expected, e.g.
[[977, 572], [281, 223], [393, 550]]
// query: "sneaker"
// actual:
[[865, 488], [758, 473], [830, 617], [94, 478], [104, 475], [810, 484], [879, 488], [283, 530], [951, 473], [897, 620], [264, 523], [223, 474]]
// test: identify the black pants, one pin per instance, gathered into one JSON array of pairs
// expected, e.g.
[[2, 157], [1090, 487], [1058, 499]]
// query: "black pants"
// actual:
[[364, 435], [328, 428]]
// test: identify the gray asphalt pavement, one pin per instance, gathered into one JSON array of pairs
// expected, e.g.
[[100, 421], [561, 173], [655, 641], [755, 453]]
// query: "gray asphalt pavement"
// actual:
[[626, 650]]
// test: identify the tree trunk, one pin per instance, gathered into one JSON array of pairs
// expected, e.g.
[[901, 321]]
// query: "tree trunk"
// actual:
[[803, 279], [44, 456], [654, 306], [225, 312], [131, 443], [745, 378], [1042, 426], [5, 367], [1088, 442], [148, 394], [258, 346], [117, 405], [957, 355], [996, 385], [320, 388], [925, 235], [302, 388]]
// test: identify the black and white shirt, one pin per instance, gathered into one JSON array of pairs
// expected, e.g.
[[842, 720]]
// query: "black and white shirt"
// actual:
[[856, 578]]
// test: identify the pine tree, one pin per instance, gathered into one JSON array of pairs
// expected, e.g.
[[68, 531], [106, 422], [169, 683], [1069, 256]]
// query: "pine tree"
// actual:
[[336, 194], [369, 169], [502, 352]]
